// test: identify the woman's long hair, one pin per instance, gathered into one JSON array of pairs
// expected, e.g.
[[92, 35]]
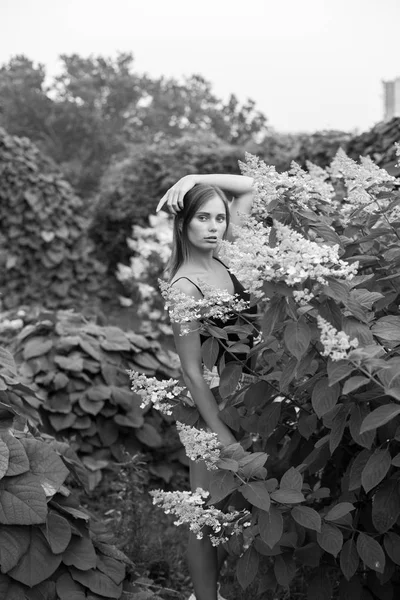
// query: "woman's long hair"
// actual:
[[193, 200]]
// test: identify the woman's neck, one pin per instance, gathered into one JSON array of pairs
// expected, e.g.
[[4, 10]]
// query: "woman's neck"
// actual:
[[203, 261]]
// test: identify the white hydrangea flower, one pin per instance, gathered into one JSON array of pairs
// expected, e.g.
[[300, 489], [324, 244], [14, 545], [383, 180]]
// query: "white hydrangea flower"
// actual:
[[189, 508], [303, 297], [336, 343], [200, 445], [155, 392], [216, 304], [292, 259]]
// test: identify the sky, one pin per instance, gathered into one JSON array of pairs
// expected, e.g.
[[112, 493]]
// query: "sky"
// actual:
[[309, 65]]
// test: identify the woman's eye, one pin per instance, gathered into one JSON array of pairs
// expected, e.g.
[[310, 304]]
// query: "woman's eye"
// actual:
[[221, 219]]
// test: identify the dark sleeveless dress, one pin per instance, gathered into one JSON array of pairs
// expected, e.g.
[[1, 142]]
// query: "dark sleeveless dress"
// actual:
[[232, 337]]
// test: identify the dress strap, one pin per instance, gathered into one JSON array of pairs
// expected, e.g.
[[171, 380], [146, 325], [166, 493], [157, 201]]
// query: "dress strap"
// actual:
[[220, 261], [192, 282]]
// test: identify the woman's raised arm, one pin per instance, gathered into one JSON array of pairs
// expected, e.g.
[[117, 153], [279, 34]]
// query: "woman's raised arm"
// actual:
[[239, 186]]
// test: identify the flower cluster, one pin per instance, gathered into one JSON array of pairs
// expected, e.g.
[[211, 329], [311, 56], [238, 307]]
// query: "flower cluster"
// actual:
[[155, 392], [306, 189], [336, 343], [151, 248], [397, 148], [360, 180], [189, 508], [292, 258], [216, 304], [303, 297], [200, 445]]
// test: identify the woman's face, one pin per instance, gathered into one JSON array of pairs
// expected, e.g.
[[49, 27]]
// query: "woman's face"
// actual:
[[208, 225]]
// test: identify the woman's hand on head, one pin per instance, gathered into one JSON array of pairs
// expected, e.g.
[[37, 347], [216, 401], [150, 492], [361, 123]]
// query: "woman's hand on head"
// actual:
[[173, 198]]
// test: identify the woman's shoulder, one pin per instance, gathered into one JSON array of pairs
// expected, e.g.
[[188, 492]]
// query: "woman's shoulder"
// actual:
[[184, 283]]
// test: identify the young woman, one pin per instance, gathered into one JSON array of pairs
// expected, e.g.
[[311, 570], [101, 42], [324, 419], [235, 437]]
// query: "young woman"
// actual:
[[203, 217]]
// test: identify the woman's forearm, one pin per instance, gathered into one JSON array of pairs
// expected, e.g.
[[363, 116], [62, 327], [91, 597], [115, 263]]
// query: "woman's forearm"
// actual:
[[237, 185]]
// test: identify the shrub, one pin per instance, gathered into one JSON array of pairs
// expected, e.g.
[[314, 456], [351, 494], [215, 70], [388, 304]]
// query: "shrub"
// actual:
[[79, 369], [45, 256], [319, 428], [50, 547]]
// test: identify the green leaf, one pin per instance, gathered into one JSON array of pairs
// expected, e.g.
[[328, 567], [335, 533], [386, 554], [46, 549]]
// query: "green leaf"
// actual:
[[338, 370], [68, 589], [57, 532], [209, 352], [36, 347], [349, 560], [287, 496], [330, 539], [111, 567], [93, 408], [116, 340], [14, 542], [46, 465], [357, 468], [149, 436], [273, 316], [324, 397], [222, 484], [292, 480], [379, 417], [307, 425], [257, 494], [354, 383], [250, 465], [97, 582], [297, 338], [358, 413], [270, 525], [386, 506], [230, 378], [73, 362], [42, 591], [22, 501], [371, 552], [10, 590], [338, 426], [269, 419], [38, 563], [391, 542], [247, 567], [80, 553], [376, 469], [338, 511], [4, 458], [18, 462], [284, 569], [387, 328], [60, 421], [307, 517], [7, 361]]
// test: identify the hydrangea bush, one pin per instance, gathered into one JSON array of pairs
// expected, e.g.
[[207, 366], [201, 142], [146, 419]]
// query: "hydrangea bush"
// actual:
[[318, 429]]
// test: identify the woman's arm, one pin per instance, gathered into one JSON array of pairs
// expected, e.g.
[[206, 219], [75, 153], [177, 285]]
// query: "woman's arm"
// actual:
[[239, 186], [188, 348]]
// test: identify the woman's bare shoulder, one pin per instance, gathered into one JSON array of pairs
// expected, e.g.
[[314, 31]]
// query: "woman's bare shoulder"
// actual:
[[184, 284]]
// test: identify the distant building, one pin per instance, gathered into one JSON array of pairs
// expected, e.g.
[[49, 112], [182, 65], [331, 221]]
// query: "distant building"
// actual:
[[392, 98]]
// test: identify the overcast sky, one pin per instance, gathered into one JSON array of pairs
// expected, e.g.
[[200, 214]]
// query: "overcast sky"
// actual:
[[308, 64]]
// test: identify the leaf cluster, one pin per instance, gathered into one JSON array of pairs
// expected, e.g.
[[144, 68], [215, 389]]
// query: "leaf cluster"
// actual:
[[79, 372], [45, 255], [50, 547]]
